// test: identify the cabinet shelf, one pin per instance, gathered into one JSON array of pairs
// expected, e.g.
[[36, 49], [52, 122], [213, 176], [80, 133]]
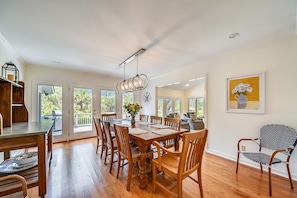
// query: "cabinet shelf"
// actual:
[[12, 105], [11, 82], [17, 105]]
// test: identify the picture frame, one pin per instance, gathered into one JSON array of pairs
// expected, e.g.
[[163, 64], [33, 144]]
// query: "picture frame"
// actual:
[[246, 94]]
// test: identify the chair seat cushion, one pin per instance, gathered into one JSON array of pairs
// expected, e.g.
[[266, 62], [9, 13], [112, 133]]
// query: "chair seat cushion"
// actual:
[[168, 163], [260, 158]]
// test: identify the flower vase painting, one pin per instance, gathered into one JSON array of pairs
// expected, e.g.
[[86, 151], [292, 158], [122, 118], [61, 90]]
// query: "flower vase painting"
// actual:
[[246, 94], [132, 109]]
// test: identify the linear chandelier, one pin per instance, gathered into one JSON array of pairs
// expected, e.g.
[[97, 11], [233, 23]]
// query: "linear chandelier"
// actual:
[[138, 82]]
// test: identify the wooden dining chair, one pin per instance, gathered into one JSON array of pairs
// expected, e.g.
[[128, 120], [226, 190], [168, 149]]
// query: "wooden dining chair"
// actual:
[[111, 144], [100, 135], [155, 119], [108, 116], [174, 124], [178, 165], [127, 152], [10, 178], [143, 117]]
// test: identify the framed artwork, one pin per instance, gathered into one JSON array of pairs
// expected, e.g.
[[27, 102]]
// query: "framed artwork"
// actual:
[[246, 94]]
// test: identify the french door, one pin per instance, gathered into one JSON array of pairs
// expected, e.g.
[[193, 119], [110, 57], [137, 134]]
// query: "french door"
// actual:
[[69, 106], [81, 112]]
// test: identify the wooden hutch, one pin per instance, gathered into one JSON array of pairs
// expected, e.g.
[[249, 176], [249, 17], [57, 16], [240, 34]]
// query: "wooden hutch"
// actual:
[[12, 106]]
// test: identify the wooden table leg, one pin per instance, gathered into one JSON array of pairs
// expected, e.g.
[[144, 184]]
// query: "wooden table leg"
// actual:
[[142, 177], [176, 143]]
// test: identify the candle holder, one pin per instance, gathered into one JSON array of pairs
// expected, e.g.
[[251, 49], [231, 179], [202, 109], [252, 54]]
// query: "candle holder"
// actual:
[[10, 72]]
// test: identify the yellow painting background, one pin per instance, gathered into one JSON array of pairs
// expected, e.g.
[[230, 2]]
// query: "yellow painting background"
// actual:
[[251, 96]]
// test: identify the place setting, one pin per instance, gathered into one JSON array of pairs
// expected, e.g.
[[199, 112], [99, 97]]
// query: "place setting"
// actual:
[[19, 163]]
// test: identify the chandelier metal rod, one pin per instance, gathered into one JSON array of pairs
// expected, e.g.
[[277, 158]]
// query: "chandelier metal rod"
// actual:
[[132, 57]]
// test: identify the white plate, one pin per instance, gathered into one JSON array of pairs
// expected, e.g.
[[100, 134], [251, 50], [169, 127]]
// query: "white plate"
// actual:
[[10, 166], [25, 158]]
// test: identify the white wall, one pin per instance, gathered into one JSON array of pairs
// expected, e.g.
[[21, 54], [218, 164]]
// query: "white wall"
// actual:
[[278, 60], [8, 54]]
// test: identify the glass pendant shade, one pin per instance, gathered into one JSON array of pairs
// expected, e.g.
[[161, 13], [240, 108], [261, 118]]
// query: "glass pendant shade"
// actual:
[[138, 82]]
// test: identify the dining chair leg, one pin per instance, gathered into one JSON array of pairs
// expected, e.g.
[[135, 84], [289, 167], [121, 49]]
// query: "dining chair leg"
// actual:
[[102, 148], [129, 176], [200, 181], [106, 153], [180, 188], [97, 146], [111, 160], [119, 164]]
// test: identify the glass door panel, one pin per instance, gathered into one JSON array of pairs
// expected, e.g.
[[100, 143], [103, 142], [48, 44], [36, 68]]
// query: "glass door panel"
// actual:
[[82, 110], [50, 106]]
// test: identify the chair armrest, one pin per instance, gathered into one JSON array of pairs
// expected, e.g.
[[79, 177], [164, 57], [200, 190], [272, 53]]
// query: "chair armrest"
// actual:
[[279, 151], [247, 139], [169, 152]]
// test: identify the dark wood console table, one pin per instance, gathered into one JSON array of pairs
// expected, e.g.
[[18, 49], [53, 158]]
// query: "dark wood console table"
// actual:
[[26, 135]]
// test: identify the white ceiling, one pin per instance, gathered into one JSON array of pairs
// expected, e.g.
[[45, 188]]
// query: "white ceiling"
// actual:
[[98, 35]]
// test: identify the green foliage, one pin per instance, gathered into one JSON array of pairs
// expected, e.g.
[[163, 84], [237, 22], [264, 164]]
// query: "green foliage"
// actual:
[[82, 100], [108, 103], [51, 102]]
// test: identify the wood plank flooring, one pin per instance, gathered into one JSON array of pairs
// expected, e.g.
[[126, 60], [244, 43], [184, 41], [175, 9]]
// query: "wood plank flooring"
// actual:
[[78, 172]]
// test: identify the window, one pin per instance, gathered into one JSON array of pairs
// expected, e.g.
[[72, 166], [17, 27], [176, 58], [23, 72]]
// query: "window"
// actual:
[[82, 110], [126, 99], [171, 106], [108, 101], [196, 105], [160, 107]]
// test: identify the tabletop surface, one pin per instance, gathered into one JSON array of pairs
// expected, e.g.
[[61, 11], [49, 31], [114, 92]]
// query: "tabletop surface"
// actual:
[[26, 129], [153, 132]]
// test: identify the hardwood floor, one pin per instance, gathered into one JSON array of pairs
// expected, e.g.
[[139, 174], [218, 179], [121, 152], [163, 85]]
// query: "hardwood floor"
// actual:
[[77, 172]]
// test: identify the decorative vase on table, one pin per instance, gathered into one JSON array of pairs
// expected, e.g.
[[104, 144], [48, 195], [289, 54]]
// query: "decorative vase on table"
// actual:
[[241, 101], [132, 109], [133, 121]]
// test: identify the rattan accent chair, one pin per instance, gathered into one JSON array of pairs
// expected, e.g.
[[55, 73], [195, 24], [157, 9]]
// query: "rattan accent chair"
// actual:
[[281, 139], [21, 179], [179, 164]]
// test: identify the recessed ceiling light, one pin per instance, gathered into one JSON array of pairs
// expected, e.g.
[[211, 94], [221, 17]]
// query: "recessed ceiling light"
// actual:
[[233, 35], [56, 61], [187, 85]]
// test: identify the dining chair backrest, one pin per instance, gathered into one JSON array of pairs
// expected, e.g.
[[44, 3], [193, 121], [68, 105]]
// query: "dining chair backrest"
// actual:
[[100, 134], [122, 136], [99, 129], [108, 135], [143, 118], [155, 119], [173, 123], [192, 151], [109, 116]]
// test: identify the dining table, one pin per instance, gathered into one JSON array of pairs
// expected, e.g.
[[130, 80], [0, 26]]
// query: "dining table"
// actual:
[[143, 135]]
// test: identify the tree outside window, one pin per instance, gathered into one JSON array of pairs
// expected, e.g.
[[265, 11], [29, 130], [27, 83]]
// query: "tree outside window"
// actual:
[[108, 101], [126, 99]]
